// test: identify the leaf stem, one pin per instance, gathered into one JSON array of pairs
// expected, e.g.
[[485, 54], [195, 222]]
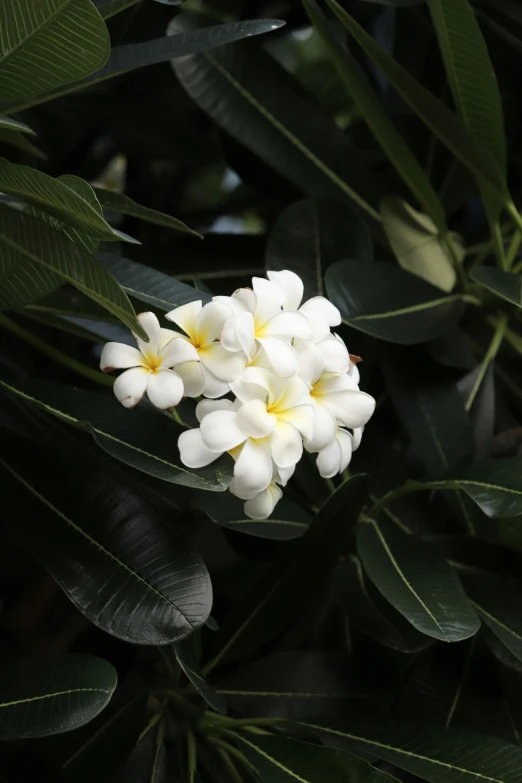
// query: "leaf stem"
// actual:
[[498, 244], [234, 752], [513, 249], [496, 342], [150, 725], [191, 755], [235, 777], [408, 489], [456, 262]]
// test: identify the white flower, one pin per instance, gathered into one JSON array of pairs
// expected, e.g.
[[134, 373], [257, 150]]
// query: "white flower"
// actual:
[[337, 456], [319, 311], [149, 367], [202, 326], [262, 505], [259, 321]]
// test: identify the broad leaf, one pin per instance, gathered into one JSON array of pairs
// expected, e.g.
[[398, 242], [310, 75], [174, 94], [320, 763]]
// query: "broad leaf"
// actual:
[[312, 234], [260, 104], [417, 581], [506, 285], [387, 302], [148, 445], [141, 581], [295, 577], [51, 695], [47, 43], [494, 485], [283, 760], [26, 238], [186, 659], [119, 202], [383, 129], [442, 121], [300, 685]]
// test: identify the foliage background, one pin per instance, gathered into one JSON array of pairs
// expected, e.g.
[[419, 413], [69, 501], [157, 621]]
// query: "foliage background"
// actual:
[[372, 630]]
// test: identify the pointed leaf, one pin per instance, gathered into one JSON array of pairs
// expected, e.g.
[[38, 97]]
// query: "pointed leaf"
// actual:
[[9, 123], [494, 485], [52, 694], [505, 285], [119, 202], [186, 660]]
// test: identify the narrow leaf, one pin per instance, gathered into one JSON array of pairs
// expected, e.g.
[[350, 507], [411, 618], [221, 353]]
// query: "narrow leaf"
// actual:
[[494, 485], [186, 660], [505, 285], [119, 202]]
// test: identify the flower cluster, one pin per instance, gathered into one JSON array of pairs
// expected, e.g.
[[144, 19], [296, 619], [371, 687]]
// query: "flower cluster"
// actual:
[[274, 377]]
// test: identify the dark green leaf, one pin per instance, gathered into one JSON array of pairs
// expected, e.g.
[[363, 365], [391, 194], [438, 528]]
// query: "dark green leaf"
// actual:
[[227, 511], [397, 150], [387, 302], [47, 43], [50, 695], [260, 104], [108, 8], [494, 485], [148, 445], [139, 581], [417, 581], [9, 123], [186, 660], [312, 234], [119, 202], [506, 285], [148, 763]]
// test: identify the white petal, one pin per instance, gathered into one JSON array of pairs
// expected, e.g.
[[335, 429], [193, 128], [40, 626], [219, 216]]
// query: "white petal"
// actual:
[[238, 333], [193, 452], [254, 420], [302, 417], [286, 444], [351, 408], [311, 362], [357, 437], [253, 468], [210, 322], [283, 475], [287, 323], [214, 388], [318, 325], [251, 386], [185, 317], [165, 389], [240, 491], [221, 432], [324, 309], [281, 355], [193, 376], [225, 365], [324, 430], [178, 351], [118, 356], [346, 443], [354, 374], [335, 354], [263, 505], [151, 325], [166, 335], [329, 460], [291, 284], [294, 392], [131, 385], [328, 384], [247, 298], [270, 299], [236, 304], [205, 407]]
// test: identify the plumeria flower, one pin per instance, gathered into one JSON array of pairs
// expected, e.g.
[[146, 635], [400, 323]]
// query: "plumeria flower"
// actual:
[[203, 326], [258, 321], [319, 311], [337, 456], [336, 397], [262, 504], [148, 368]]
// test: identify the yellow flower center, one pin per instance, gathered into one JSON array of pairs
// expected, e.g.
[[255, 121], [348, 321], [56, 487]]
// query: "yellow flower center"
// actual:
[[152, 362]]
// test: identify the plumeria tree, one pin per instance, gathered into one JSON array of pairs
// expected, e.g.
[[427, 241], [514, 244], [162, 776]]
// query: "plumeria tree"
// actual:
[[260, 391]]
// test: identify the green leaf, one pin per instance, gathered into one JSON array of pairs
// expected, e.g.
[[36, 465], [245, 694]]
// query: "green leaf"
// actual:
[[415, 240], [435, 755], [419, 583], [24, 282], [444, 123], [9, 123], [55, 198], [84, 190], [148, 445], [52, 694], [366, 609], [283, 760], [47, 43], [295, 577], [398, 152], [506, 285], [119, 202], [494, 485], [27, 238], [148, 285], [149, 762], [186, 659], [227, 511], [109, 8], [300, 685], [159, 50], [389, 303], [260, 104], [141, 581], [20, 141], [312, 234]]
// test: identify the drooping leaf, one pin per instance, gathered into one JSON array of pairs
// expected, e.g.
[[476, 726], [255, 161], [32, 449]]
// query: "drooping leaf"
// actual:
[[295, 577], [261, 105], [119, 202], [186, 659], [148, 445], [397, 150], [140, 581], [47, 43], [312, 234], [387, 302], [494, 485], [417, 581], [506, 285], [52, 694], [25, 237], [9, 123]]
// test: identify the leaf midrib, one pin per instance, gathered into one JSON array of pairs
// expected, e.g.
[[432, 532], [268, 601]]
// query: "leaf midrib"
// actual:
[[52, 695], [35, 32]]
